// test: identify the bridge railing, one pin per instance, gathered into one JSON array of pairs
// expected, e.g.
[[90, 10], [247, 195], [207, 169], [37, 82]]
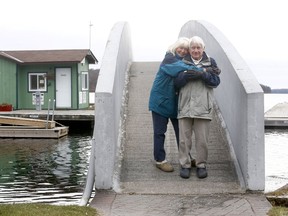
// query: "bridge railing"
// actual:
[[108, 102], [241, 103], [109, 98]]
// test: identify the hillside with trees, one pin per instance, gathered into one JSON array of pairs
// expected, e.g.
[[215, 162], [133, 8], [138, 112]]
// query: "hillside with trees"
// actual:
[[268, 90]]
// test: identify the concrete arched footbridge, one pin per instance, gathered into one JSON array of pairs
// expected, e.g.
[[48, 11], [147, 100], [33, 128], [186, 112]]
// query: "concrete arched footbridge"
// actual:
[[122, 148]]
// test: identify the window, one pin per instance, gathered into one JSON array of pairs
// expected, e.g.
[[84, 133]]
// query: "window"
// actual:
[[37, 82], [84, 80]]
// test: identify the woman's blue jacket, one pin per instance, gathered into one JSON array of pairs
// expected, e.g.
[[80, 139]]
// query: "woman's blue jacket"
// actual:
[[163, 97]]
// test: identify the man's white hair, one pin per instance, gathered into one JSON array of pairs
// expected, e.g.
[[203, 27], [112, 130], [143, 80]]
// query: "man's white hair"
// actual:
[[196, 40]]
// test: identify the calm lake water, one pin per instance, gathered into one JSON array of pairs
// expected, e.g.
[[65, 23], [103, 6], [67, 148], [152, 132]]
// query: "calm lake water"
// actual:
[[54, 171], [276, 156], [44, 170], [276, 148]]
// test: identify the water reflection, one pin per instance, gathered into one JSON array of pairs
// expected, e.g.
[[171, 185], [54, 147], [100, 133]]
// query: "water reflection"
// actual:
[[44, 170], [276, 159]]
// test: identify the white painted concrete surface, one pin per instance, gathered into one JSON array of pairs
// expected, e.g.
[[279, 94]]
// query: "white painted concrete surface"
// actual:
[[108, 102]]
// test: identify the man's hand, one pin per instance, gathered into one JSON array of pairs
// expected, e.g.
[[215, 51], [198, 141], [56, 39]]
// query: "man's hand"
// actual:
[[193, 74], [208, 69], [214, 70]]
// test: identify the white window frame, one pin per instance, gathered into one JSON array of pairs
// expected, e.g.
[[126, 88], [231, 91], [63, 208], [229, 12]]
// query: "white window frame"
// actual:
[[40, 79], [84, 81]]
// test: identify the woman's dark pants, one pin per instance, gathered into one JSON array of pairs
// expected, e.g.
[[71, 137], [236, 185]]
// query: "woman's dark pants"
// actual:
[[160, 127]]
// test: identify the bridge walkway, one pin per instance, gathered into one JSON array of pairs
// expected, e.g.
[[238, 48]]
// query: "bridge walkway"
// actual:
[[139, 174]]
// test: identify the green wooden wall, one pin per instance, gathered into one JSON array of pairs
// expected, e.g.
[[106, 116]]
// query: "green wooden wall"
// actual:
[[83, 68], [25, 97], [8, 82]]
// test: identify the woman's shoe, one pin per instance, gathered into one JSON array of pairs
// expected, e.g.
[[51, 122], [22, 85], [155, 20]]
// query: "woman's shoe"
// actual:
[[193, 163], [166, 167]]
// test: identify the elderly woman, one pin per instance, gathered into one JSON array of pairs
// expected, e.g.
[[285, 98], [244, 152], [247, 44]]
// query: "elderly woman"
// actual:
[[163, 98], [195, 107]]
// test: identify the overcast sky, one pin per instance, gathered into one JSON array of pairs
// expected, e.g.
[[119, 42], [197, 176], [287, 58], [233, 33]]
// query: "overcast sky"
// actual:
[[256, 28]]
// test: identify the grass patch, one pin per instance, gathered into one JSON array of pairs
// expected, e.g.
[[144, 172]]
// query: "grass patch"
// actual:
[[279, 201], [278, 211], [279, 197], [45, 210]]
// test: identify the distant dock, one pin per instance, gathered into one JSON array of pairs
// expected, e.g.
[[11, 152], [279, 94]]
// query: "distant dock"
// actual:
[[277, 116], [15, 124], [17, 127], [59, 115]]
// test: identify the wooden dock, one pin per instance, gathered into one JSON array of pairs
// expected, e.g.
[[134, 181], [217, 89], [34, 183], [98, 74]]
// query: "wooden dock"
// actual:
[[52, 133], [27, 122], [17, 127]]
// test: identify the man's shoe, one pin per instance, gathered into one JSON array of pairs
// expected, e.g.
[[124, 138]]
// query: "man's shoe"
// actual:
[[201, 172], [185, 172], [166, 167]]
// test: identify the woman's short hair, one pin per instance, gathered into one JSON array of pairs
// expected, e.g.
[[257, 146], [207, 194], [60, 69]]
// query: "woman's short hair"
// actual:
[[181, 42], [196, 40]]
